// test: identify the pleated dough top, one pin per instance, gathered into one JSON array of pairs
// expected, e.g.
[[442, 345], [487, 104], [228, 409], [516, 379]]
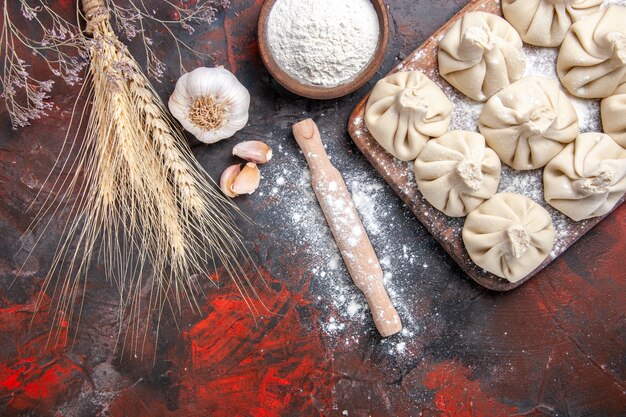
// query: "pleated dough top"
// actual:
[[457, 172], [529, 122], [480, 55], [509, 235], [545, 22], [587, 178], [592, 58], [404, 111]]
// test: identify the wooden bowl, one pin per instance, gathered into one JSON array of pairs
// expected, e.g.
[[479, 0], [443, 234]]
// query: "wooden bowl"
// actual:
[[316, 91]]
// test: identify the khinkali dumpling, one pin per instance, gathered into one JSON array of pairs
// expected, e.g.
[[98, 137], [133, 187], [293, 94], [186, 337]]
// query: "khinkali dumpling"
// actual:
[[545, 22], [613, 111], [480, 55], [529, 122], [404, 110], [587, 178], [592, 59], [456, 172], [509, 235]]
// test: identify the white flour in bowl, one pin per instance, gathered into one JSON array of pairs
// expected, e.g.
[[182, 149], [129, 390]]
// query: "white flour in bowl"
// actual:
[[323, 42]]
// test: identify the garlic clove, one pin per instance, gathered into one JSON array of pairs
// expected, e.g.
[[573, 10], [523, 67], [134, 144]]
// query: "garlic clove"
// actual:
[[228, 179], [248, 179], [253, 151]]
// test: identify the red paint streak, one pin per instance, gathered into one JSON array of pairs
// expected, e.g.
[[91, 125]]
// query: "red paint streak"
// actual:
[[9, 378], [38, 374], [240, 366], [458, 396], [32, 338], [31, 384], [228, 364]]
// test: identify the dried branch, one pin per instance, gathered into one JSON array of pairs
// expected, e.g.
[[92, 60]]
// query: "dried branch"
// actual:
[[61, 46]]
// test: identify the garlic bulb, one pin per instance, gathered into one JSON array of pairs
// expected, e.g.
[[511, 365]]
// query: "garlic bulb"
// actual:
[[210, 103]]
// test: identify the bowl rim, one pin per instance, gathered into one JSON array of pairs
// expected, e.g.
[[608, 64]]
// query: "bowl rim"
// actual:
[[320, 92]]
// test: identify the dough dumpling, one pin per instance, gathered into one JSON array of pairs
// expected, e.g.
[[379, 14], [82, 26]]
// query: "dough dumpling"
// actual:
[[529, 122], [457, 172], [509, 235], [480, 55], [592, 59], [613, 111], [587, 178], [545, 22], [405, 110]]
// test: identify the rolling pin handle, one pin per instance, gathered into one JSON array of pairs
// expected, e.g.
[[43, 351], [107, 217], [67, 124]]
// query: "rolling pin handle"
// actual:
[[308, 137], [385, 316]]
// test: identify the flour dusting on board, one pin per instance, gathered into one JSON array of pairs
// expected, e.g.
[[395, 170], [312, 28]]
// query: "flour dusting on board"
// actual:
[[539, 62]]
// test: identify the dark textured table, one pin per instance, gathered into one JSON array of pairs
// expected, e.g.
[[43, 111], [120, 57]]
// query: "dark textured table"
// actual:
[[554, 347]]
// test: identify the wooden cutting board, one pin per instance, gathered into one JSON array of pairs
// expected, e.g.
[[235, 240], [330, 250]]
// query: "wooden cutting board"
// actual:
[[399, 175]]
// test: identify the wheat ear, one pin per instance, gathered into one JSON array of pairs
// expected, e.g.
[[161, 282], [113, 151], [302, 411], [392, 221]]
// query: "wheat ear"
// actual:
[[143, 203]]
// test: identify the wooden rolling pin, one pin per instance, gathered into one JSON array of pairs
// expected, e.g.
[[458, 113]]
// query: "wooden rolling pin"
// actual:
[[347, 228]]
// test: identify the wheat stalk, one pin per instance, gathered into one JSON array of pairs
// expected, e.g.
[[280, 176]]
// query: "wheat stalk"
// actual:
[[144, 204]]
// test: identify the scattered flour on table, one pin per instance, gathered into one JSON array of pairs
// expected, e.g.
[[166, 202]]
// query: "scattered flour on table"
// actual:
[[304, 223]]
